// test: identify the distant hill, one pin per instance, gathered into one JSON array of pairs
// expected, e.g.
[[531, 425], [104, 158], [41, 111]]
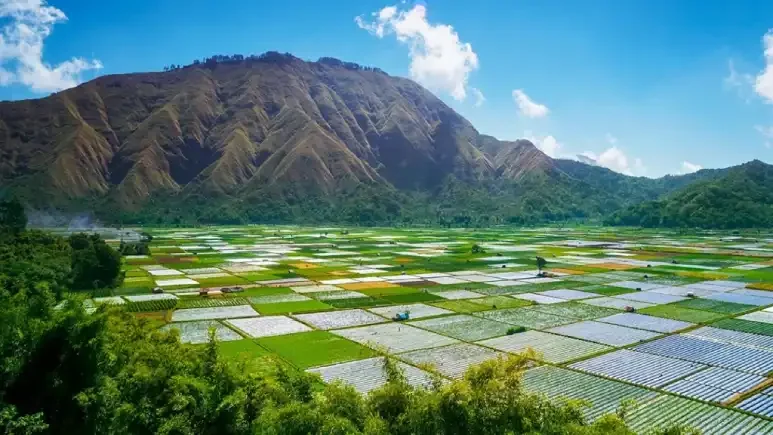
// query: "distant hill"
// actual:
[[273, 138], [740, 197]]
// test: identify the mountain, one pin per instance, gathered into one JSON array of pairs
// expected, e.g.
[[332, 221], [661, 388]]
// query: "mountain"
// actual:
[[275, 138], [740, 197]]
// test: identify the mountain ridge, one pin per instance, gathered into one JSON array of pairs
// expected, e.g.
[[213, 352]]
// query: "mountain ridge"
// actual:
[[276, 130]]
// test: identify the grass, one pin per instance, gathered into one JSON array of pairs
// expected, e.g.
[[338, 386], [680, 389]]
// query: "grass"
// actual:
[[715, 306], [389, 291], [604, 290], [314, 348], [745, 326], [673, 311], [291, 307], [356, 302], [461, 306], [245, 352], [500, 302], [265, 291]]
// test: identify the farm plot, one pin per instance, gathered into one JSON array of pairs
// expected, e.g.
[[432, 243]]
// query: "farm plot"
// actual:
[[211, 302], [748, 326], [339, 319], [339, 295], [198, 332], [649, 323], [714, 384], [684, 314], [538, 298], [451, 361], [314, 348], [567, 294], [618, 304], [526, 317], [368, 374], [667, 410], [733, 337], [638, 368], [742, 299], [394, 337], [416, 311], [612, 335], [457, 294], [713, 353], [714, 306], [552, 348], [758, 316], [463, 327], [651, 297], [603, 395], [213, 313], [760, 403], [275, 299], [576, 311], [268, 326]]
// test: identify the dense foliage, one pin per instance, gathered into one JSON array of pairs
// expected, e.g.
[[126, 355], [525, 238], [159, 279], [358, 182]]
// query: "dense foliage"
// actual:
[[94, 263], [65, 371], [743, 198]]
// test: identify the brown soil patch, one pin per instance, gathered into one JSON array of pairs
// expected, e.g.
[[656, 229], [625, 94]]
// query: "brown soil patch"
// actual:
[[367, 285], [403, 260]]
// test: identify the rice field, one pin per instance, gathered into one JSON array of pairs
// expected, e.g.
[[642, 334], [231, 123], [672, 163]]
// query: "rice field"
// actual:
[[673, 321]]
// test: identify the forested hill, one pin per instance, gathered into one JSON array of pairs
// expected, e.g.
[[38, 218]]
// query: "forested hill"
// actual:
[[740, 198], [273, 138]]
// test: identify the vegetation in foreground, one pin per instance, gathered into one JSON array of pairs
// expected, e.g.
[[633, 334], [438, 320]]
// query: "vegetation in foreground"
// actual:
[[110, 372]]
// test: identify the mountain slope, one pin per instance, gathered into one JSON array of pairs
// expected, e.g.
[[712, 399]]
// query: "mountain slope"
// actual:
[[234, 126], [741, 197], [275, 138]]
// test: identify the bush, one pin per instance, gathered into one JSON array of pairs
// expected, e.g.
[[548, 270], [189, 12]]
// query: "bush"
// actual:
[[515, 330]]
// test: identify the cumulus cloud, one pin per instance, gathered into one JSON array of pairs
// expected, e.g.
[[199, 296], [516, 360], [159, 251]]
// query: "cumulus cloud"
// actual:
[[763, 83], [439, 59], [689, 168], [528, 107], [615, 159], [547, 144], [767, 133], [479, 98], [27, 23]]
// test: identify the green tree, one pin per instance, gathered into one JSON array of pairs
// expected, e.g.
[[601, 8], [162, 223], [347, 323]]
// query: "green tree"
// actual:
[[13, 218], [541, 263], [94, 263]]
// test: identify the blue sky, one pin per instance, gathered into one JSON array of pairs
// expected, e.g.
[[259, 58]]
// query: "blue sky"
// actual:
[[643, 87]]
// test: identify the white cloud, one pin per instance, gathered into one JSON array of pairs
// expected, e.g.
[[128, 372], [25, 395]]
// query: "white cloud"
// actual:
[[767, 133], [689, 168], [479, 98], [27, 23], [615, 159], [528, 107], [439, 60], [547, 144], [763, 84]]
